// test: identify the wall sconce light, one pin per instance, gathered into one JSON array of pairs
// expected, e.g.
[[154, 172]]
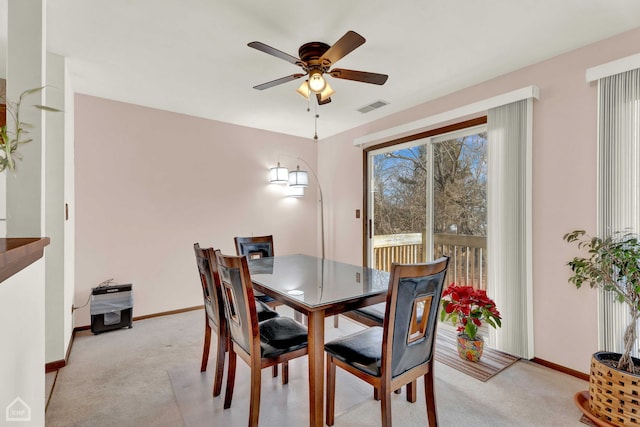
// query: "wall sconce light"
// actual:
[[297, 181], [298, 178], [295, 191], [278, 175]]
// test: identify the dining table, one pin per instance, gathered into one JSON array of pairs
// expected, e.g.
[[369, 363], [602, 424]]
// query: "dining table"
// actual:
[[317, 288]]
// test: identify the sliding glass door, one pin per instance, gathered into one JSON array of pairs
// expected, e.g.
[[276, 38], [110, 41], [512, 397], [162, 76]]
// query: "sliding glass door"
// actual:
[[428, 198]]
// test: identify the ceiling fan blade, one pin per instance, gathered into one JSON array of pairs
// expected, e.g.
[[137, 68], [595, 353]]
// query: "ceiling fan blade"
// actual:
[[277, 82], [359, 76], [320, 101], [347, 43], [274, 52]]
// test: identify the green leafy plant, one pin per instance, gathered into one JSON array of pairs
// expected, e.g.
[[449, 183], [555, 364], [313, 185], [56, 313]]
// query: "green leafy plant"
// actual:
[[18, 134], [466, 308], [613, 264]]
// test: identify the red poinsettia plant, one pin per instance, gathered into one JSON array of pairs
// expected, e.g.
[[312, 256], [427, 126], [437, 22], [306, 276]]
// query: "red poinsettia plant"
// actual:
[[467, 308]]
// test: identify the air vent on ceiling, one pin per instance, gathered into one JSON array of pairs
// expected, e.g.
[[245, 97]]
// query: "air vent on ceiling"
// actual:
[[373, 106]]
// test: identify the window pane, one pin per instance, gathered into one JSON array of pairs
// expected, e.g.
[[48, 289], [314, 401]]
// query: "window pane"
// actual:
[[399, 205], [400, 191], [460, 207]]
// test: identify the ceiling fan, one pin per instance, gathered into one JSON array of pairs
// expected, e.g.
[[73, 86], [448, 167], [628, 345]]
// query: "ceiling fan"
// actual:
[[316, 59]]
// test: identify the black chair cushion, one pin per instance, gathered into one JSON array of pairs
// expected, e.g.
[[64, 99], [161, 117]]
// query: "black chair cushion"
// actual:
[[362, 350], [264, 311], [281, 335], [373, 312]]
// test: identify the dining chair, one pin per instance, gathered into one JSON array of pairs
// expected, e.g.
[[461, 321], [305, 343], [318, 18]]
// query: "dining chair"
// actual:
[[261, 247], [400, 351], [259, 344], [373, 315], [214, 313], [257, 247], [214, 317]]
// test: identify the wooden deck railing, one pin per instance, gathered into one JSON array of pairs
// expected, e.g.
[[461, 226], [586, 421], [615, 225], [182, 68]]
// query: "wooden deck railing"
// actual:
[[467, 266]]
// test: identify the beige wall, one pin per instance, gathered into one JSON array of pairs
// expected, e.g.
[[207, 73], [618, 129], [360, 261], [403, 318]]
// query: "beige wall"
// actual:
[[564, 187], [150, 183]]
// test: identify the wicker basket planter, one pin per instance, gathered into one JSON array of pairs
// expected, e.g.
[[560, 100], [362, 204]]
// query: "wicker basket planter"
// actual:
[[614, 395]]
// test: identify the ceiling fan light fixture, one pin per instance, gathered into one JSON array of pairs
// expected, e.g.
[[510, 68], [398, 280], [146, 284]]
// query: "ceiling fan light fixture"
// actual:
[[327, 92], [317, 83], [304, 89], [316, 59]]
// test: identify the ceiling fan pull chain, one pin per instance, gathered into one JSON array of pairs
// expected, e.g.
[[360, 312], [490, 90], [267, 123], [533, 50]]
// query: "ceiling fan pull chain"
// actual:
[[315, 118]]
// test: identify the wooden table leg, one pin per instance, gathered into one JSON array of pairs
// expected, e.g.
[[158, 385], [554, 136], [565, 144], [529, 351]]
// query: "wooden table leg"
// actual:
[[316, 368]]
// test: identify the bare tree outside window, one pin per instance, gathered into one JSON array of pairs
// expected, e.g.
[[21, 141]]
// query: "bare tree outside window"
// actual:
[[460, 188], [400, 200], [460, 185]]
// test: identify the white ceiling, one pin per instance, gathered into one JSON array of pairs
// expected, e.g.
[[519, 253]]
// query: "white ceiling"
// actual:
[[191, 56]]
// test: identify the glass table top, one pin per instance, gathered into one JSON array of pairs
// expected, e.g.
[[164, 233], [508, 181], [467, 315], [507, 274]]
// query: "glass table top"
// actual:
[[316, 281]]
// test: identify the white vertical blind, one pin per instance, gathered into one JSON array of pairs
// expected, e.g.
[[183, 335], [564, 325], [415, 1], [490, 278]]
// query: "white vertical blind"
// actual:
[[618, 183], [509, 224]]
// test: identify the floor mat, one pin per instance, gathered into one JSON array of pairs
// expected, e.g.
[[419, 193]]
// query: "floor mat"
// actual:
[[491, 363]]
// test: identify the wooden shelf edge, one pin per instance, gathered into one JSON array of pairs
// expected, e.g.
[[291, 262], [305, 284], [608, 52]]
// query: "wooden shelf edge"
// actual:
[[17, 253]]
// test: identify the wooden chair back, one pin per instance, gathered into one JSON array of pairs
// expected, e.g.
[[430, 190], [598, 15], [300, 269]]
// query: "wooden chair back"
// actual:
[[211, 290], [239, 303], [214, 313], [259, 247], [411, 315], [255, 246]]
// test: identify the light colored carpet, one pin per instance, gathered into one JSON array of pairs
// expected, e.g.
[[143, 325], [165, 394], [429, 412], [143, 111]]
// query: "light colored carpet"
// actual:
[[119, 378], [528, 395], [150, 376]]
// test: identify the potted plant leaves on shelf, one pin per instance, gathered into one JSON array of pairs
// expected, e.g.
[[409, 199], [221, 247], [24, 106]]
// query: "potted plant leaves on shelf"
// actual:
[[12, 137]]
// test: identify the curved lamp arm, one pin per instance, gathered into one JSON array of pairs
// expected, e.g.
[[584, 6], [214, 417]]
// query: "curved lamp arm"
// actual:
[[321, 202]]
